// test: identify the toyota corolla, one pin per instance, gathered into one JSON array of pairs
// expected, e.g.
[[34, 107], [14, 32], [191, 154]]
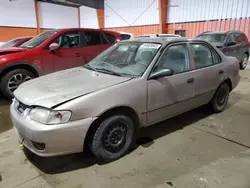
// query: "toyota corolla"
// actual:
[[133, 84]]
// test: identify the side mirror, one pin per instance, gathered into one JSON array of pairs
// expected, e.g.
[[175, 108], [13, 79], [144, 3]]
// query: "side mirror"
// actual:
[[162, 73], [53, 47], [231, 43]]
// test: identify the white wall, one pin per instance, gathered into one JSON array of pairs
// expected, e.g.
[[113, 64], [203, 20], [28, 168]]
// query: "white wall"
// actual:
[[197, 10], [88, 17], [57, 16], [124, 13], [17, 13]]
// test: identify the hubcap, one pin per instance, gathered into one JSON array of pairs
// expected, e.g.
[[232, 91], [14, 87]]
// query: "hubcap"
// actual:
[[222, 96], [114, 138], [245, 60], [16, 80]]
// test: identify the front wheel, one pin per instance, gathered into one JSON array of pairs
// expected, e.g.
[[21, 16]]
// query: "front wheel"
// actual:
[[244, 62], [220, 98], [113, 138], [11, 80]]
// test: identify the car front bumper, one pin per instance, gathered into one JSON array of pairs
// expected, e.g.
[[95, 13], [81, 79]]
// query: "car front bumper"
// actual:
[[58, 139]]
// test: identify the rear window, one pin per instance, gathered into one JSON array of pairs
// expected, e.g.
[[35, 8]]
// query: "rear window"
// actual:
[[125, 36], [10, 43], [110, 37], [244, 37]]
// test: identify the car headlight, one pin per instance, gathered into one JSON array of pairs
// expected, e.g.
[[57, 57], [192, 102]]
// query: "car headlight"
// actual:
[[50, 117]]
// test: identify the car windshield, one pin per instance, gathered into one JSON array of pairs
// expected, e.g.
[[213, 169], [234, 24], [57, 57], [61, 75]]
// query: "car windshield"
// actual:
[[38, 40], [217, 39], [125, 59], [10, 43]]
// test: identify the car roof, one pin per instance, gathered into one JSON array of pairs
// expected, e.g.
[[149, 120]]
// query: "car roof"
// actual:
[[83, 29], [158, 35], [164, 40], [220, 32]]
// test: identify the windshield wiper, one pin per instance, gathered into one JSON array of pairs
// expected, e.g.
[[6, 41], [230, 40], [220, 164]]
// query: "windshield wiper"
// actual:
[[87, 66], [103, 70]]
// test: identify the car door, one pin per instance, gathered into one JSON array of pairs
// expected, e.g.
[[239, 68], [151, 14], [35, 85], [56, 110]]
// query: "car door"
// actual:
[[231, 47], [243, 47], [239, 46], [69, 53], [95, 43], [169, 96], [208, 71]]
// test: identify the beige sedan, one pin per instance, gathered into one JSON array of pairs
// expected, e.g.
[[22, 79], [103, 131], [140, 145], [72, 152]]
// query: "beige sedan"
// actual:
[[133, 84]]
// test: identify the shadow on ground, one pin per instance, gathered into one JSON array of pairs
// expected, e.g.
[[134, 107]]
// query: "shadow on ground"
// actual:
[[5, 122], [60, 164]]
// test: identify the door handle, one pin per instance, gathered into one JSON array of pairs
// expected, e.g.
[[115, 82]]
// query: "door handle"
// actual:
[[78, 55], [221, 71], [190, 80]]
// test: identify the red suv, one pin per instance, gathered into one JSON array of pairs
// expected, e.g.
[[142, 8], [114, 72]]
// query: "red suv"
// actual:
[[51, 51]]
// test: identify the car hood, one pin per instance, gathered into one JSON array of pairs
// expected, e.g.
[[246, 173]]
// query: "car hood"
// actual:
[[5, 51], [59, 87]]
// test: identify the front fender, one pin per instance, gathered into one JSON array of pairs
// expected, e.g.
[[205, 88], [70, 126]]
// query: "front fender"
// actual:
[[14, 65]]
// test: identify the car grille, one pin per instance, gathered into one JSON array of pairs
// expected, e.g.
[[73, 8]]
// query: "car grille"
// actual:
[[20, 107]]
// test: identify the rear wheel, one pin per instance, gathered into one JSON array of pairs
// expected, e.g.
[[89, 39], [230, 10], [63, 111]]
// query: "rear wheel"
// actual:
[[11, 80], [220, 99], [244, 62], [113, 138]]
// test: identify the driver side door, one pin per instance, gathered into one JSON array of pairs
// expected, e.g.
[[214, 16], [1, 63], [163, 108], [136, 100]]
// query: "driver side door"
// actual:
[[170, 96], [67, 56]]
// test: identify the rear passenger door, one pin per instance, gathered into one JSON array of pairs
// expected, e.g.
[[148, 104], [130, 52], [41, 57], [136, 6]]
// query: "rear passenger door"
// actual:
[[208, 71], [93, 43]]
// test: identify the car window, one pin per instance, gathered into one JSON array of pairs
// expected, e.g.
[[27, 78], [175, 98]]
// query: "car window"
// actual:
[[104, 39], [21, 42], [204, 56], [125, 36], [238, 38], [93, 38], [244, 37], [39, 39], [175, 58], [216, 57], [68, 40], [231, 38], [215, 38], [10, 43], [120, 59], [110, 37]]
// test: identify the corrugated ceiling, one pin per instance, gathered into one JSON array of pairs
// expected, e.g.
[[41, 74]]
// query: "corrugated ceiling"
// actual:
[[98, 4]]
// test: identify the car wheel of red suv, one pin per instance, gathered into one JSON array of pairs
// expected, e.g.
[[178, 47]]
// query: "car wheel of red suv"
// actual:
[[11, 80]]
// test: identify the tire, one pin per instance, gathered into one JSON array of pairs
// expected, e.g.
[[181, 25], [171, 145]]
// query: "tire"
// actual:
[[244, 62], [220, 98], [17, 77], [113, 138]]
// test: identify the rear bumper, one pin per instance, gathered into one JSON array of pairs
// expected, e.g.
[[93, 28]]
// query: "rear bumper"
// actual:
[[58, 139]]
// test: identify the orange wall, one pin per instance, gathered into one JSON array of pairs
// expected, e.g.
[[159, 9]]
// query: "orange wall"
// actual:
[[194, 28], [138, 30], [8, 33]]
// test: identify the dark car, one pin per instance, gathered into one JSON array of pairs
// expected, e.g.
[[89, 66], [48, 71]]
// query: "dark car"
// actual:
[[231, 43], [16, 42], [51, 51]]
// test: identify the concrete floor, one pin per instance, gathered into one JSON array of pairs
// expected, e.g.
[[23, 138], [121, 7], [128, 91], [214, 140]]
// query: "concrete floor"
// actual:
[[196, 149]]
